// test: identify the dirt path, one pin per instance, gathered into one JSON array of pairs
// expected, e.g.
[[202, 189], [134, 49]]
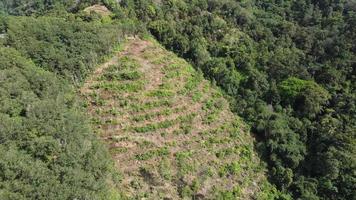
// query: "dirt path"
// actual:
[[99, 70], [153, 74]]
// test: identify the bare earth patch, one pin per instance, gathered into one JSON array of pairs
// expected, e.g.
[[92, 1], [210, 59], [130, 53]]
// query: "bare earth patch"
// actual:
[[100, 9]]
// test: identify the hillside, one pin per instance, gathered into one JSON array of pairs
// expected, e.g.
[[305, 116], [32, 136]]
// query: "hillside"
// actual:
[[87, 114], [47, 149], [171, 132]]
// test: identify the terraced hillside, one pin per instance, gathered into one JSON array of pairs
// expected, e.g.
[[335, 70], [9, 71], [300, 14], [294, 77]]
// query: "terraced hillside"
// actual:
[[170, 131]]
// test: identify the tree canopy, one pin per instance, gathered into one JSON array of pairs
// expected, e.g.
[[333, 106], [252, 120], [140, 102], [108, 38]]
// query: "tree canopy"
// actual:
[[287, 66]]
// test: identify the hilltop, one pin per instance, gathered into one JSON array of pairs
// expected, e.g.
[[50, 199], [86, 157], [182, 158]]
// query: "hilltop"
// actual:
[[170, 131], [287, 68]]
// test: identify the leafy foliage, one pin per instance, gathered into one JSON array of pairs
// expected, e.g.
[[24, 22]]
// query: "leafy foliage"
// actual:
[[289, 67], [40, 7], [70, 48], [47, 148]]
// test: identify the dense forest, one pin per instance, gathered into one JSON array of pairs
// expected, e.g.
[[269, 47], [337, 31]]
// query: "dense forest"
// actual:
[[41, 132], [48, 150], [287, 67]]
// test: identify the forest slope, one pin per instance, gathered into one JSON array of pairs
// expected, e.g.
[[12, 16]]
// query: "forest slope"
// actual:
[[287, 66], [171, 132]]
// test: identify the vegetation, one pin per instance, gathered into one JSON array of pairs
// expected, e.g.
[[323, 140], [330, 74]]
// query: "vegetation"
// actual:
[[60, 46], [48, 149], [163, 133], [287, 68]]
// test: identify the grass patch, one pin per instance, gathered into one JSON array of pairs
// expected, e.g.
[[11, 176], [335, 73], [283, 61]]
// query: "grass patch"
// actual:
[[160, 93], [164, 169], [150, 105], [197, 96], [149, 116], [192, 83], [154, 127], [184, 162], [153, 153], [223, 153], [120, 76], [126, 62], [230, 169], [120, 87], [118, 150]]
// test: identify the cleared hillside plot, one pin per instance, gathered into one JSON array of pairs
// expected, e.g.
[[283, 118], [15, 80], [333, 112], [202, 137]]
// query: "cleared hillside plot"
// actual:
[[170, 131]]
